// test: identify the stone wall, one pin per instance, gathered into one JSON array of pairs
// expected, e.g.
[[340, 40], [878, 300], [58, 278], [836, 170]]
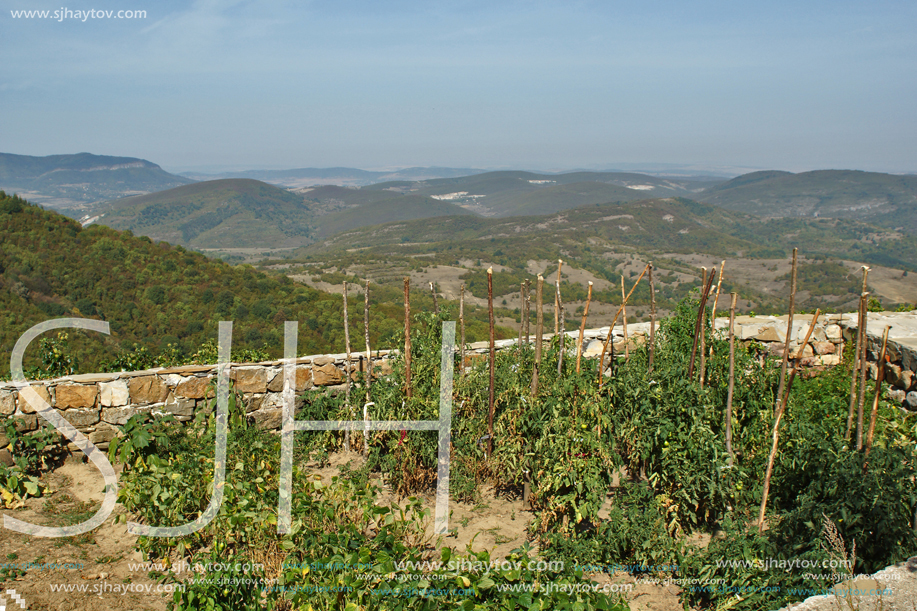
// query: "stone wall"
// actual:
[[97, 404]]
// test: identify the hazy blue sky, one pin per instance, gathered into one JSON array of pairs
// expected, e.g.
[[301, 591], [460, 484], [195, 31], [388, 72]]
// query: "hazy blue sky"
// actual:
[[544, 85]]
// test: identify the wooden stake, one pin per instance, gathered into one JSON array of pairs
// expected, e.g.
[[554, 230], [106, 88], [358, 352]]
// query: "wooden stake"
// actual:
[[612, 326], [435, 301], [368, 374], [624, 317], [539, 332], [776, 433], [705, 292], [703, 336], [556, 300], [857, 362], [582, 328], [732, 377], [462, 325], [789, 329], [652, 348], [861, 401], [369, 354], [493, 362], [716, 300], [521, 316], [408, 390], [347, 367], [562, 343], [880, 375], [528, 310]]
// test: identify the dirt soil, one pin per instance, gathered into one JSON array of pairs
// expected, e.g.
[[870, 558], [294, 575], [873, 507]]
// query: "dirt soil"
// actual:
[[102, 570]]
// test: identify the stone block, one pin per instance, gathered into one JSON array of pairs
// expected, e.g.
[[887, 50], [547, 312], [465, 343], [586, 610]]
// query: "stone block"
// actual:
[[7, 402], [326, 375], [749, 331], [385, 367], [833, 333], [114, 394], [908, 378], [25, 423], [147, 389], [81, 418], [911, 399], [892, 374], [823, 347], [103, 434], [897, 395], [194, 388], [276, 381], [43, 392], [593, 349], [120, 415], [323, 360], [830, 360], [268, 418], [179, 406], [249, 380], [771, 334], [76, 396], [253, 403]]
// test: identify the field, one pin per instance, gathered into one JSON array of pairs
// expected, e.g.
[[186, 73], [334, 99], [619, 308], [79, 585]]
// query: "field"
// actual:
[[589, 486]]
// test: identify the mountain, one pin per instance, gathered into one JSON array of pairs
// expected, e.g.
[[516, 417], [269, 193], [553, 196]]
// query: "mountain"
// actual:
[[239, 213], [236, 213], [886, 200], [75, 181], [307, 177], [519, 193]]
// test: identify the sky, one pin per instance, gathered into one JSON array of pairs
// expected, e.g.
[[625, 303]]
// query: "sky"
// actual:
[[219, 85]]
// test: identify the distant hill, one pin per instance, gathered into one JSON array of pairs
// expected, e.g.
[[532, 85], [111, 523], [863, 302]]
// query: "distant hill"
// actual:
[[516, 193], [237, 213], [75, 181], [882, 199], [242, 213], [307, 177]]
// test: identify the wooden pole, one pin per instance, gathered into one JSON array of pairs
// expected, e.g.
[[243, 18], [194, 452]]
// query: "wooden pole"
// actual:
[[857, 362], [493, 362], [703, 337], [539, 332], [624, 319], [705, 292], [732, 377], [528, 310], [880, 375], [521, 316], [562, 337], [716, 299], [369, 354], [556, 300], [861, 401], [612, 326], [776, 433], [582, 328], [462, 325], [435, 301], [347, 366], [368, 373], [408, 390], [789, 329], [652, 347]]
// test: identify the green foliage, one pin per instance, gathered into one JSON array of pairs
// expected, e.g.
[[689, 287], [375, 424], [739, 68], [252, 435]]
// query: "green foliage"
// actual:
[[32, 454], [874, 305]]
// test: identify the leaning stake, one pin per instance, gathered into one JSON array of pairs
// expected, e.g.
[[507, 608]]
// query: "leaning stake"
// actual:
[[408, 391], [624, 319], [462, 325], [582, 328], [562, 343], [880, 375], [789, 329], [864, 307], [857, 362], [368, 373], [705, 292], [539, 332], [493, 363], [732, 377], [652, 348], [557, 300], [347, 367], [435, 301], [779, 415], [608, 340]]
